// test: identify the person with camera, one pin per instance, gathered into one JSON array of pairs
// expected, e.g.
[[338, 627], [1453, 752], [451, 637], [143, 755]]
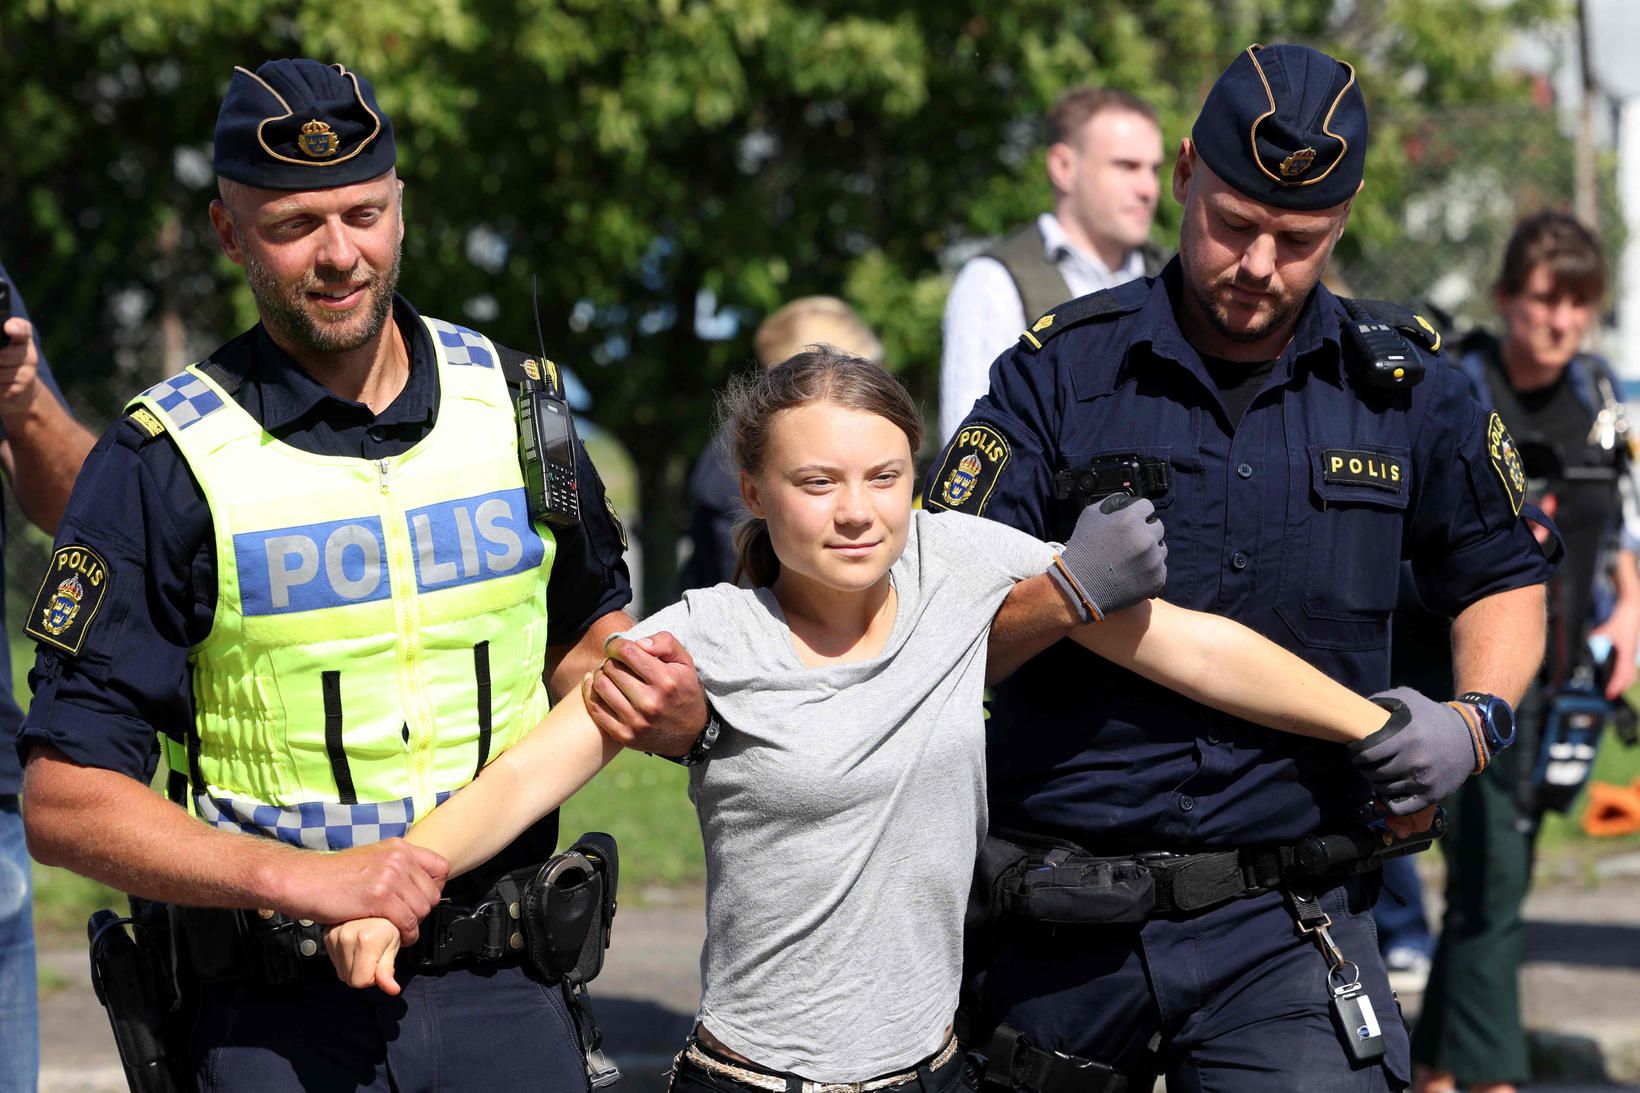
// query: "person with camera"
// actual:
[[41, 449], [312, 578], [1562, 404]]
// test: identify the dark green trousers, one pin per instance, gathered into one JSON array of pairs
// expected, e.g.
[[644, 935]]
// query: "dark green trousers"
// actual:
[[1470, 1023]]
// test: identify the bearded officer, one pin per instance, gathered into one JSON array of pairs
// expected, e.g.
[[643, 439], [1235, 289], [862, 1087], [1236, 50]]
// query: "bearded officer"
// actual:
[[304, 576], [1297, 446]]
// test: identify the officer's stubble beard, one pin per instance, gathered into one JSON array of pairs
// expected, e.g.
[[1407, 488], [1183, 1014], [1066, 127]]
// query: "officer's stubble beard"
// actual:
[[1282, 309], [292, 324]]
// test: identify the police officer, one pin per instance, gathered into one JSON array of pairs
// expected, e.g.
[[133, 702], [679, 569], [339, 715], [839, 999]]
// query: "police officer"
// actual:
[[307, 565], [41, 449], [1294, 458]]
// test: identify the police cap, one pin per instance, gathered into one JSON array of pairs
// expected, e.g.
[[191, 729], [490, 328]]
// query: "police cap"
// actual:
[[302, 125], [1287, 126]]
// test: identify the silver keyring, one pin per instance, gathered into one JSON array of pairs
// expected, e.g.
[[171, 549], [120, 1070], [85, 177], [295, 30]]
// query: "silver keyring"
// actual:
[[1334, 972]]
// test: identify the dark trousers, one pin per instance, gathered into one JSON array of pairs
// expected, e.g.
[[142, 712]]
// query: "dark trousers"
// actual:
[[486, 1031], [1470, 1022], [687, 1077], [1239, 999], [1402, 922]]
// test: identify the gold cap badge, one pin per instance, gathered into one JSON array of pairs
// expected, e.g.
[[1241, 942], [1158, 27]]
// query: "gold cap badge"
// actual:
[[319, 140], [1297, 163]]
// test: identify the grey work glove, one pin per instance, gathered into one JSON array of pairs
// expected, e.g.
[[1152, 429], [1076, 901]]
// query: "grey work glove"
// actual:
[[1114, 558], [1423, 754]]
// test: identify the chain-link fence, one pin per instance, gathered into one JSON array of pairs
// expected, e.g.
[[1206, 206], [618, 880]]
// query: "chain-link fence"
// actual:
[[1462, 178]]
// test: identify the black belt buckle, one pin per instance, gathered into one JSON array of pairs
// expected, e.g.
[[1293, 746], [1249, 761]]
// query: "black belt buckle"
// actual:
[[452, 935]]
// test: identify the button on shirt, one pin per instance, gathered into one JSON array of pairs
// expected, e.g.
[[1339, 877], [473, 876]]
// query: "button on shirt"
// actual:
[[1306, 551], [139, 507], [984, 314]]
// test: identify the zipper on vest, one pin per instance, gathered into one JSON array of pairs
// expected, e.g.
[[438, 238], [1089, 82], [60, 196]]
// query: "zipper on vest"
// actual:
[[418, 711]]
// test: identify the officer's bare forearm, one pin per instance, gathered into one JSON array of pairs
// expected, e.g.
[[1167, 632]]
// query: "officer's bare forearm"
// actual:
[[1221, 663], [1034, 616], [524, 783], [1497, 643], [41, 454], [567, 664], [112, 828]]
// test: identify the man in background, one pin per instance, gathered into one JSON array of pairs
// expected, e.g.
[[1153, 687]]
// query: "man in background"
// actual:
[[1105, 150], [714, 489], [41, 449]]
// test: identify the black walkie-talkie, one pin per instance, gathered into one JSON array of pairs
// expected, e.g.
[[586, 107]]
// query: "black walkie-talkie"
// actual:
[[546, 440]]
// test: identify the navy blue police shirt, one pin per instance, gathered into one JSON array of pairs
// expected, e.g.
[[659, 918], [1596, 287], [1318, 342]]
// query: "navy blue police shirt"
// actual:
[[1292, 521], [11, 715], [138, 506]]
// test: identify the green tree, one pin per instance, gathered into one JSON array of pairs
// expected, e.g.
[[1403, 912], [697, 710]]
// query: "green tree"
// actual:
[[669, 170]]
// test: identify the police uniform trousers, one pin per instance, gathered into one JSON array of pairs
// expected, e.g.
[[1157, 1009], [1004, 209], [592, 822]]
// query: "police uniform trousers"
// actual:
[[1470, 1022], [1239, 998], [488, 1030]]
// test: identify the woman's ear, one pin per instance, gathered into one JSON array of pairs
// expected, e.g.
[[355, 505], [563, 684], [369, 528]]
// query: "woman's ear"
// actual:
[[748, 494]]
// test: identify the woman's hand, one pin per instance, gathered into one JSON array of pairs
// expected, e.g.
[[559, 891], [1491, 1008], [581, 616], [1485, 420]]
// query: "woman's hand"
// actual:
[[363, 951]]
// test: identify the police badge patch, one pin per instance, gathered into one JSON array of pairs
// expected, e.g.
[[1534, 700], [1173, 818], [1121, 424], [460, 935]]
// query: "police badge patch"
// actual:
[[73, 589], [1500, 446], [973, 463]]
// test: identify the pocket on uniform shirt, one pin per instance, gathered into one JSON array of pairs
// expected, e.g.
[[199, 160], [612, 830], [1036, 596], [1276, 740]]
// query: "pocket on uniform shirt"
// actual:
[[1340, 571]]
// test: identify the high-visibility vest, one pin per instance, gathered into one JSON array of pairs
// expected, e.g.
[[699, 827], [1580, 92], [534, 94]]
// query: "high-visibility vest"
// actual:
[[381, 625]]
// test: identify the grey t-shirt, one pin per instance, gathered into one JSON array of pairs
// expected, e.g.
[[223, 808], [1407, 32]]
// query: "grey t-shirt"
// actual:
[[842, 808]]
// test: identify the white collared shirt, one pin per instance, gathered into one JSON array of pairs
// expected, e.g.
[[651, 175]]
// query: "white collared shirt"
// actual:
[[984, 314]]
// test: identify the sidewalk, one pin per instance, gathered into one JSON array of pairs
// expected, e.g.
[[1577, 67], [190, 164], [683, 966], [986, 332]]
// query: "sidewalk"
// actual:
[[1581, 989]]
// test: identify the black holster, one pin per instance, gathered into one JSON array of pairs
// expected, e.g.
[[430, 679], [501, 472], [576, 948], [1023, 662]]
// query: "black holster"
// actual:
[[136, 978], [569, 909], [1021, 876]]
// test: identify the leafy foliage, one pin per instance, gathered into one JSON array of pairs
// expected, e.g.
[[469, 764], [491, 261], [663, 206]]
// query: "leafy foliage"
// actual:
[[669, 169]]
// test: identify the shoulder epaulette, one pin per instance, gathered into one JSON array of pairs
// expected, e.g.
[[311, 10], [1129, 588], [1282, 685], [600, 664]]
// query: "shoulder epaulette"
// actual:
[[1094, 307], [1402, 318], [518, 367], [145, 424]]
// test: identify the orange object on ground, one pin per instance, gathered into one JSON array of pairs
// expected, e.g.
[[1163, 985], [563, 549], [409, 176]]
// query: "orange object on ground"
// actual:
[[1612, 810]]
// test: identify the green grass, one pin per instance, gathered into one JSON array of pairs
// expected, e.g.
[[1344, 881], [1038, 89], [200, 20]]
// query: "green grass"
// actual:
[[643, 801]]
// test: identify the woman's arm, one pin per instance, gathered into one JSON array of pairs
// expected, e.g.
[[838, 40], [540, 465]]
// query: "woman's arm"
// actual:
[[518, 787], [1221, 663]]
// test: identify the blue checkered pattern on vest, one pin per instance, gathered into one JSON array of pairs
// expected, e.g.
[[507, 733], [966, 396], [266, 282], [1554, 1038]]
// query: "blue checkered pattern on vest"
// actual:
[[461, 346], [314, 825], [185, 398]]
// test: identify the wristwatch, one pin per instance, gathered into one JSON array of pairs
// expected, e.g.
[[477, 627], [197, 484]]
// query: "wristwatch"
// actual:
[[697, 753], [1496, 717]]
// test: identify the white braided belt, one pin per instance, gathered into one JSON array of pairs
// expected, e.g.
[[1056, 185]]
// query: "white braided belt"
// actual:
[[775, 1084]]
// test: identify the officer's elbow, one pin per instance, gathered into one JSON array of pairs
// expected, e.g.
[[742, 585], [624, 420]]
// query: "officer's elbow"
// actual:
[[48, 819]]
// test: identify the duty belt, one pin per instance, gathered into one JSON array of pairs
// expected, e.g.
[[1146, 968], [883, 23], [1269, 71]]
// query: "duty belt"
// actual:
[[775, 1083], [1026, 878]]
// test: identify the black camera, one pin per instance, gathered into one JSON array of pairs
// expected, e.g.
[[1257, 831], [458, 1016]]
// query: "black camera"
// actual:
[[1130, 474]]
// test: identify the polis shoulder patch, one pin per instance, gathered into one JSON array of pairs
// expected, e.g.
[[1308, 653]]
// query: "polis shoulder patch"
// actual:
[[74, 587], [973, 463], [1500, 447]]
